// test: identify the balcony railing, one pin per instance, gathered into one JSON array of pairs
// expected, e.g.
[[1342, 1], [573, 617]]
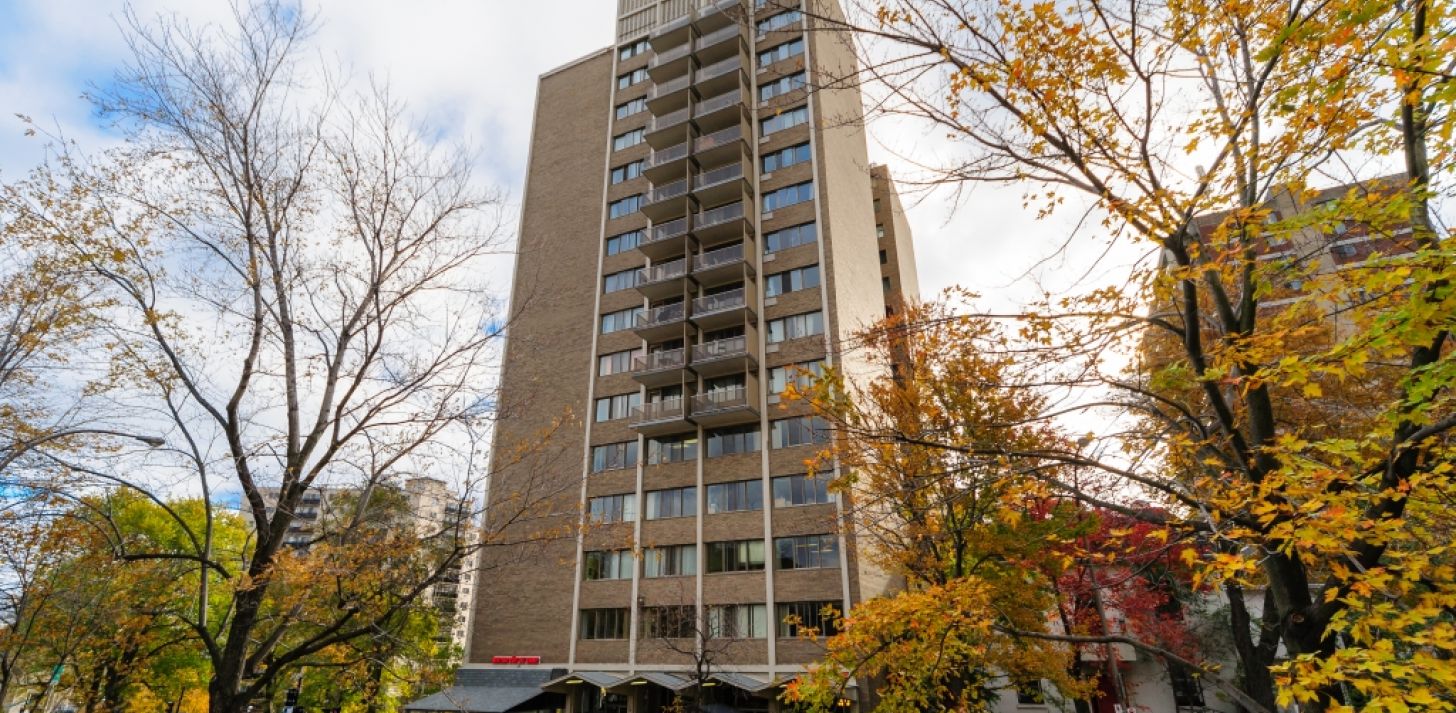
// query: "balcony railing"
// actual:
[[717, 258], [718, 35], [718, 138], [668, 190], [720, 399], [718, 69], [677, 52], [721, 302], [712, 104], [732, 346], [665, 156], [667, 231], [662, 273], [658, 316], [719, 215], [664, 410], [718, 175], [669, 120], [665, 359], [670, 86]]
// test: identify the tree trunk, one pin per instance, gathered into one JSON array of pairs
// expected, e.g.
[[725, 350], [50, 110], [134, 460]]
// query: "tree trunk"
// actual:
[[1254, 676]]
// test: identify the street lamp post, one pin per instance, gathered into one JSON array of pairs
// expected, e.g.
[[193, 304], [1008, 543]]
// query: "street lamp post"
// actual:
[[10, 453]]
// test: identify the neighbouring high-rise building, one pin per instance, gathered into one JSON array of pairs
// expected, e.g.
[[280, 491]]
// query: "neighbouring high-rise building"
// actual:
[[701, 228], [430, 508]]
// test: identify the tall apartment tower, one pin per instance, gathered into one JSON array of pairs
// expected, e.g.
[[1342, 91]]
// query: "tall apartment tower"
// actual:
[[701, 227]]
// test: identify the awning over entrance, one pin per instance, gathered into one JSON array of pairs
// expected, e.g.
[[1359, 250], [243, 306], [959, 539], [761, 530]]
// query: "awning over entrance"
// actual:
[[599, 679], [492, 691], [755, 685], [676, 683]]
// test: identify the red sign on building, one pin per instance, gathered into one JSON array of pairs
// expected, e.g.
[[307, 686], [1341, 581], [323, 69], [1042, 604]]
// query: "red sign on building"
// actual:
[[516, 660]]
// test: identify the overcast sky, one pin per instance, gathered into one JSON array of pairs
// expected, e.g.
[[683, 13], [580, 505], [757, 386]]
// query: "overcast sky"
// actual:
[[468, 69]]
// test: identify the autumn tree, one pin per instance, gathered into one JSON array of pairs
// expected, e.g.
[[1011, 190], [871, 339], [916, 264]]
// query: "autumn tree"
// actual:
[[294, 273], [1016, 570], [1153, 117]]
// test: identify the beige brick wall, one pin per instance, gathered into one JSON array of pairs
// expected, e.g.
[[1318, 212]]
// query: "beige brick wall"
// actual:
[[524, 594]]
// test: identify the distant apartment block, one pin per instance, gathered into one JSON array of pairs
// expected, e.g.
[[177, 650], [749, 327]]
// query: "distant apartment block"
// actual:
[[431, 506]]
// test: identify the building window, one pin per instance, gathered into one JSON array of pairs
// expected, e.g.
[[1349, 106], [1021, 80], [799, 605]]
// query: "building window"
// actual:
[[733, 441], [784, 120], [624, 207], [673, 622], [797, 490], [618, 281], [628, 139], [798, 431], [884, 257], [885, 284], [739, 496], [807, 552], [611, 408], [1187, 690], [636, 76], [879, 231], [786, 157], [604, 623], [801, 278], [675, 502], [779, 21], [801, 375], [790, 237], [624, 242], [620, 320], [819, 616], [738, 556], [613, 508], [788, 195], [672, 449], [1029, 694], [674, 561], [792, 48], [636, 106], [781, 86], [617, 362], [795, 326], [626, 172], [635, 49], [614, 456], [738, 621], [614, 564]]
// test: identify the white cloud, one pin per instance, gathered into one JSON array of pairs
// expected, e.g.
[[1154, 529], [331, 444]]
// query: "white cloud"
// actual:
[[468, 70]]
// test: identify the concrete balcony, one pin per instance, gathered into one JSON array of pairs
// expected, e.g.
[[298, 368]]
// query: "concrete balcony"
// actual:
[[723, 265], [665, 164], [722, 145], [726, 356], [662, 280], [724, 223], [726, 407], [722, 76], [670, 62], [669, 129], [724, 183], [722, 111], [670, 95], [660, 322], [666, 202], [660, 417], [720, 44], [725, 308], [659, 369], [664, 241]]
